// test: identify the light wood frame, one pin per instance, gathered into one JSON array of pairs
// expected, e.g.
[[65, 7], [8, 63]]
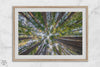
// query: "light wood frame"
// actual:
[[13, 38]]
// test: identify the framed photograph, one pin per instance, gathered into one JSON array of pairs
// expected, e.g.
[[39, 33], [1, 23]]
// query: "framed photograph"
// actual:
[[50, 33]]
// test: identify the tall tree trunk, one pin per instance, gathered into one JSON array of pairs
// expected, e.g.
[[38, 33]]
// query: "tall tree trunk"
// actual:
[[72, 13], [23, 38], [59, 18], [57, 51], [45, 19], [37, 53], [36, 20], [75, 46], [41, 50], [75, 23], [30, 49], [45, 50], [29, 19], [24, 16], [72, 38]]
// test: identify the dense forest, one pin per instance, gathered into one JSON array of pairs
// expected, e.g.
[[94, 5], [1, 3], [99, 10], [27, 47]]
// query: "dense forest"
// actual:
[[50, 33]]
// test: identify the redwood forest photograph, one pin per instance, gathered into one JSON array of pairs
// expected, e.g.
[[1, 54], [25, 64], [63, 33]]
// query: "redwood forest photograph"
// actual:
[[50, 33]]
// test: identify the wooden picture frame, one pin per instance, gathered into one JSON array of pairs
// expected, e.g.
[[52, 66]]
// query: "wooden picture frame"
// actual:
[[85, 8]]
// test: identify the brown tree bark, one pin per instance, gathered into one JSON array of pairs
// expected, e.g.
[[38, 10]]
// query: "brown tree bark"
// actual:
[[24, 15], [45, 50], [57, 50], [72, 13], [36, 20], [30, 49], [37, 53], [45, 19], [75, 46], [59, 18]]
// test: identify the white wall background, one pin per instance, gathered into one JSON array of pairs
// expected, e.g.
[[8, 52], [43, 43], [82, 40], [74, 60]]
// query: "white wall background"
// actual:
[[6, 32]]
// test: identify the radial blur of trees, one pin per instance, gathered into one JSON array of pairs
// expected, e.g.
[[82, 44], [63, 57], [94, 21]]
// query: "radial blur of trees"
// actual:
[[50, 33]]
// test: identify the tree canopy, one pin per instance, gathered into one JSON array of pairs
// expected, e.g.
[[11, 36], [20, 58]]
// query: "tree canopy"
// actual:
[[50, 33]]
